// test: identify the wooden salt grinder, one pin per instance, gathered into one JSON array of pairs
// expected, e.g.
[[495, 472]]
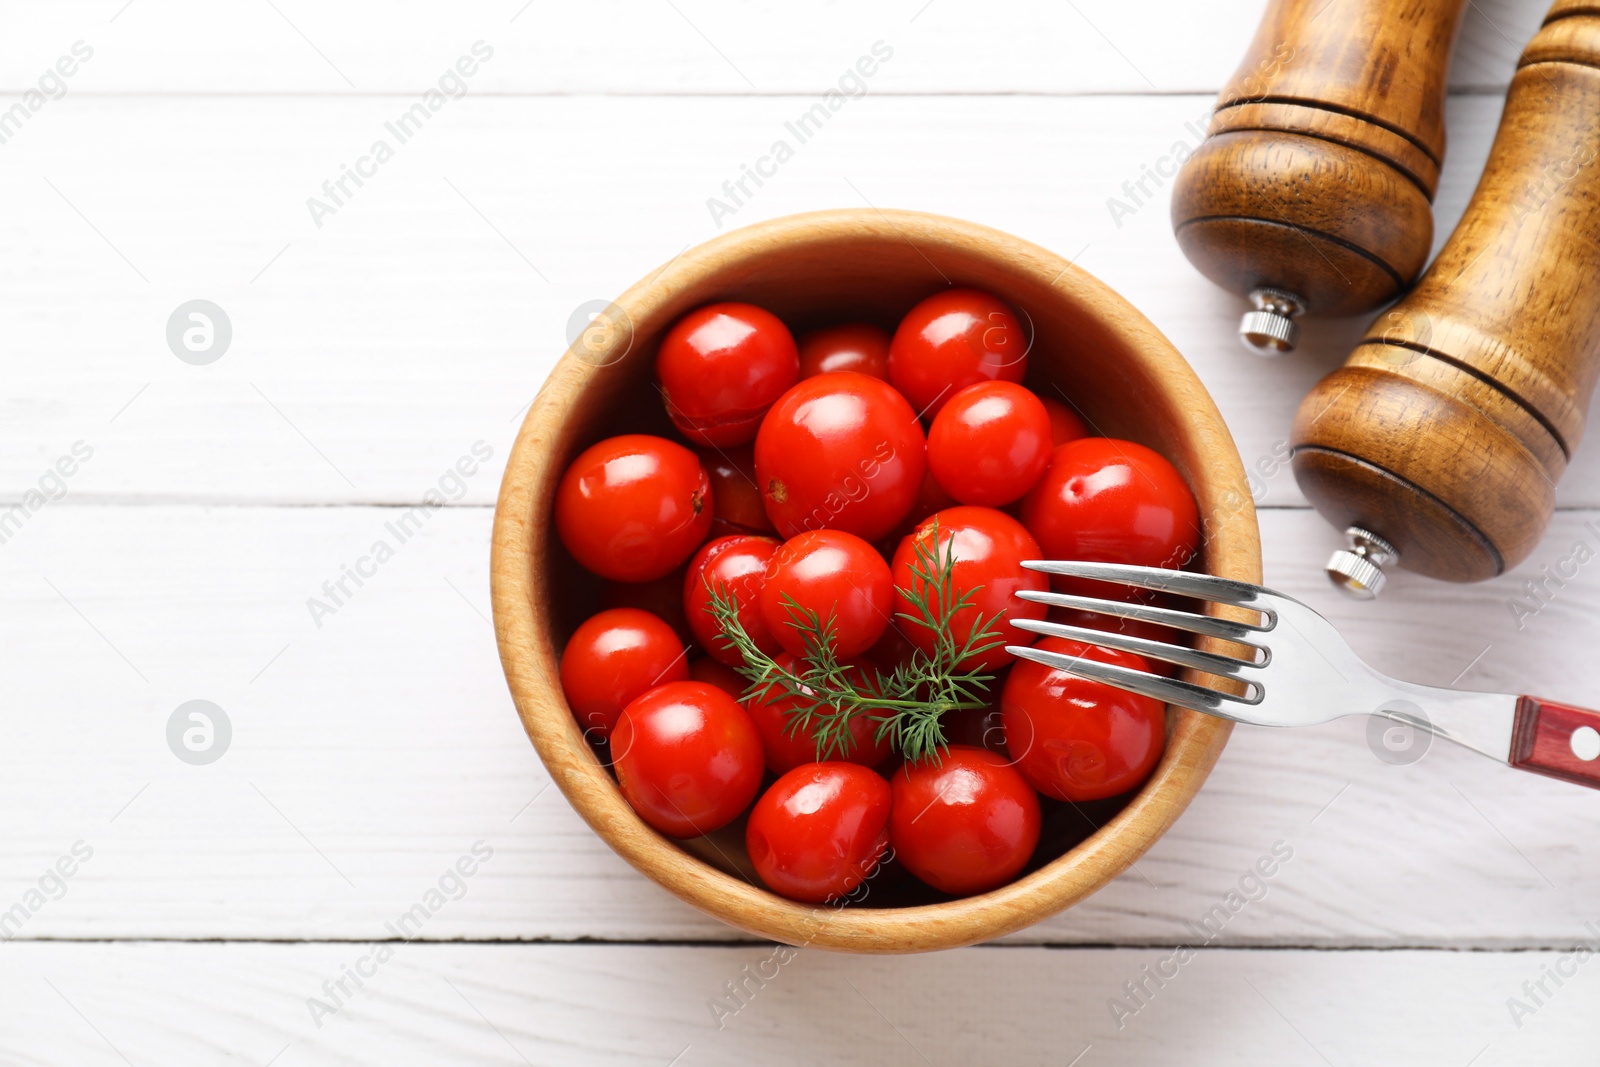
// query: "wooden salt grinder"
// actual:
[[1441, 438], [1313, 189]]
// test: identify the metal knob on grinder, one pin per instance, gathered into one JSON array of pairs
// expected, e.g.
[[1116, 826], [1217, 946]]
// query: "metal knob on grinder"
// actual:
[[1270, 329], [1443, 435], [1313, 190], [1358, 568]]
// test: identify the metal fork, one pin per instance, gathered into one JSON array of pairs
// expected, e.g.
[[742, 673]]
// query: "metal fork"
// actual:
[[1300, 672]]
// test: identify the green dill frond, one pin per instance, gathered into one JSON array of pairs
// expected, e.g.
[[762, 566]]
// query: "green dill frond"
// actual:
[[907, 704]]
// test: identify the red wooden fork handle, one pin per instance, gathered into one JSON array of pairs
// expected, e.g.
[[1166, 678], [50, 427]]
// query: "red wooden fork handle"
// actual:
[[1558, 740]]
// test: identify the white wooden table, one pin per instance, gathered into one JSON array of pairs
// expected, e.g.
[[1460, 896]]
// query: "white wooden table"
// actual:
[[213, 911]]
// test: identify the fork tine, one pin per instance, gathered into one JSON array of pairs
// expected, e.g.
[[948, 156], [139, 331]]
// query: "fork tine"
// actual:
[[1210, 662], [1226, 629], [1167, 690], [1181, 583]]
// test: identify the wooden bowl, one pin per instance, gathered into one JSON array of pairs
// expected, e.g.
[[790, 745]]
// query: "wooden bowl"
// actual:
[[1123, 375]]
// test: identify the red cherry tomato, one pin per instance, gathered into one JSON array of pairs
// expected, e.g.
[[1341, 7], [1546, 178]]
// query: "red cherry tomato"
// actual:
[[735, 565], [989, 547], [840, 451], [613, 658], [989, 443], [1065, 423], [721, 367], [786, 747], [819, 831], [734, 492], [1076, 739], [632, 508], [966, 825], [688, 758], [834, 574], [1109, 501], [857, 346], [705, 669], [952, 340], [661, 597]]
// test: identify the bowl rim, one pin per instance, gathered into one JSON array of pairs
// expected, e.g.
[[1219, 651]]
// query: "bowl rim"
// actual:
[[531, 663]]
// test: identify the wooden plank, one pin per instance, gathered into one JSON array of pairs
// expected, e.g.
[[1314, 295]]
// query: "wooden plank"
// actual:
[[502, 1004], [369, 354], [693, 46], [369, 754]]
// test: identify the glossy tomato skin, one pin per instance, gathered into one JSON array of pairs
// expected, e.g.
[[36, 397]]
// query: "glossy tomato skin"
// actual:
[[721, 366], [989, 443], [819, 831], [785, 749], [966, 825], [952, 340], [1065, 423], [834, 574], [989, 548], [840, 451], [736, 565], [854, 346], [1110, 501], [738, 508], [613, 658], [1076, 739], [632, 508], [688, 758]]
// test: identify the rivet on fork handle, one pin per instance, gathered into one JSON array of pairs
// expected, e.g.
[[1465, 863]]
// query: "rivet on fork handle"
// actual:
[[1557, 740]]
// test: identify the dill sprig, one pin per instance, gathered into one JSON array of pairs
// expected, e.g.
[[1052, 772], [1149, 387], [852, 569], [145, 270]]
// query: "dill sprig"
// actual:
[[908, 703]]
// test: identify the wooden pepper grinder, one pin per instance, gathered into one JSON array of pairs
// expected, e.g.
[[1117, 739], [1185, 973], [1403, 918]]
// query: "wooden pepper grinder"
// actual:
[[1441, 438], [1313, 190]]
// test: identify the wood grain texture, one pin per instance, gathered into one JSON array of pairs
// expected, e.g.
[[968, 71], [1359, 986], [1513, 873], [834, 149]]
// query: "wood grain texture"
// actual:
[[1416, 162], [826, 266], [1314, 218], [1384, 64], [1324, 154], [1446, 431], [641, 1006]]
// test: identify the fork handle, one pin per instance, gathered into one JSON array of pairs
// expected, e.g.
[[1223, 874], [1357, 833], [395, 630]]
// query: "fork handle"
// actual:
[[1558, 740]]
